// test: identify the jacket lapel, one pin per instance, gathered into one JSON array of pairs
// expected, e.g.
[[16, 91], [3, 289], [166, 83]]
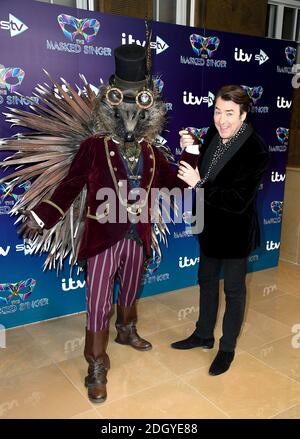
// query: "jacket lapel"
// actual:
[[207, 154], [233, 149]]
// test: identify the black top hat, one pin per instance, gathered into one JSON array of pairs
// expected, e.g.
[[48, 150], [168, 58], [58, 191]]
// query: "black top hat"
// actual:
[[130, 60]]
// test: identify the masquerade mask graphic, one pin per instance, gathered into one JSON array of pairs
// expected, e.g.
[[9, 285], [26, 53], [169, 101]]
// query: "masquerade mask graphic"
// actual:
[[144, 99], [6, 190], [204, 46], [19, 290], [254, 93], [199, 133], [11, 77], [158, 84], [282, 135], [73, 27], [277, 207], [153, 264], [290, 53], [188, 217]]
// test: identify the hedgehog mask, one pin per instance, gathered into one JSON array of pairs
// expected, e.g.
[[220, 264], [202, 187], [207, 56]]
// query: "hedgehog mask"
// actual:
[[129, 107]]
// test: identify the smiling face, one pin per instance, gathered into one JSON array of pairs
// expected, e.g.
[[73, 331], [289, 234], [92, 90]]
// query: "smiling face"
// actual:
[[227, 118]]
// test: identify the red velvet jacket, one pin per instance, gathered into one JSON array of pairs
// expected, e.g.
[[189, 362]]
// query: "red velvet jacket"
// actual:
[[97, 164]]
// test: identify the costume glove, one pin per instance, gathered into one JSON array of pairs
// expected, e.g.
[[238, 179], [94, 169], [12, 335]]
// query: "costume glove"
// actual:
[[30, 227]]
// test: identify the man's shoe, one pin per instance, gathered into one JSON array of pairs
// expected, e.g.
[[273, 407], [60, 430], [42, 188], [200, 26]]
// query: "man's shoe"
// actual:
[[193, 341], [221, 363]]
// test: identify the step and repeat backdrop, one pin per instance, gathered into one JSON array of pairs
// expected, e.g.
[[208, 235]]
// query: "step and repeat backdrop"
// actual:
[[192, 64]]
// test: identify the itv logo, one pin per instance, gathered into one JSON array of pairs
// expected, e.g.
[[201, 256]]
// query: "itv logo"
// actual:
[[159, 45], [4, 251], [283, 103], [271, 245], [240, 55], [190, 99], [276, 177]]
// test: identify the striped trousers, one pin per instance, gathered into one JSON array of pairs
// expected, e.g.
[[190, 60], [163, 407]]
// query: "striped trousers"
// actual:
[[125, 260]]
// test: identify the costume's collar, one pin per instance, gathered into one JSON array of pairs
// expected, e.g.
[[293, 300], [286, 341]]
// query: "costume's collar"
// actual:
[[117, 167]]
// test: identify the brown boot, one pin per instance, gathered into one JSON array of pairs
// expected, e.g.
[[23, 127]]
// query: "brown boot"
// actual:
[[127, 334], [98, 360]]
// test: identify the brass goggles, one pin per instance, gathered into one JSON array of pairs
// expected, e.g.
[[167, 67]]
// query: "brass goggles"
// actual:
[[144, 99]]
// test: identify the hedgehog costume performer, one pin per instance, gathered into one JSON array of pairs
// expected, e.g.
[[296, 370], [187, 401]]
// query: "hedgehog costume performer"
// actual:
[[83, 143]]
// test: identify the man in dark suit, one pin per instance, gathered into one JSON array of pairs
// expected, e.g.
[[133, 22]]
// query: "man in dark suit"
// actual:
[[231, 164]]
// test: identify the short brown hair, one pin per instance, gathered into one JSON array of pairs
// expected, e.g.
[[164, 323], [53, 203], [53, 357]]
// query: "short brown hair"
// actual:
[[237, 94]]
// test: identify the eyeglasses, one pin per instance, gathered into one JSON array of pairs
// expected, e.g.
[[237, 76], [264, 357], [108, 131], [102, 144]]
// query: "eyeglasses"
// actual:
[[143, 99]]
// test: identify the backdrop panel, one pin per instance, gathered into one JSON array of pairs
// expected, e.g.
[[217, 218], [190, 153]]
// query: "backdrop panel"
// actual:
[[192, 63]]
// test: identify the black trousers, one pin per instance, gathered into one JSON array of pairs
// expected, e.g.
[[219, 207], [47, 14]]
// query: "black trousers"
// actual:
[[235, 293]]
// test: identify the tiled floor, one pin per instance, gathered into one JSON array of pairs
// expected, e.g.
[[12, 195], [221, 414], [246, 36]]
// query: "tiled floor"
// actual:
[[42, 369]]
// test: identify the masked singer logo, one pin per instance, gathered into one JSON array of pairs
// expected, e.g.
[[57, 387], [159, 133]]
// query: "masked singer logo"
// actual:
[[19, 290], [73, 27], [6, 190], [254, 93], [204, 46], [290, 53], [199, 133], [277, 207], [153, 263], [11, 77], [282, 135]]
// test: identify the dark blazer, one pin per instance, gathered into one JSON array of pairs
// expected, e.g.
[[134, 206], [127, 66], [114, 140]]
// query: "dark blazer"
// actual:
[[231, 228], [98, 164]]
